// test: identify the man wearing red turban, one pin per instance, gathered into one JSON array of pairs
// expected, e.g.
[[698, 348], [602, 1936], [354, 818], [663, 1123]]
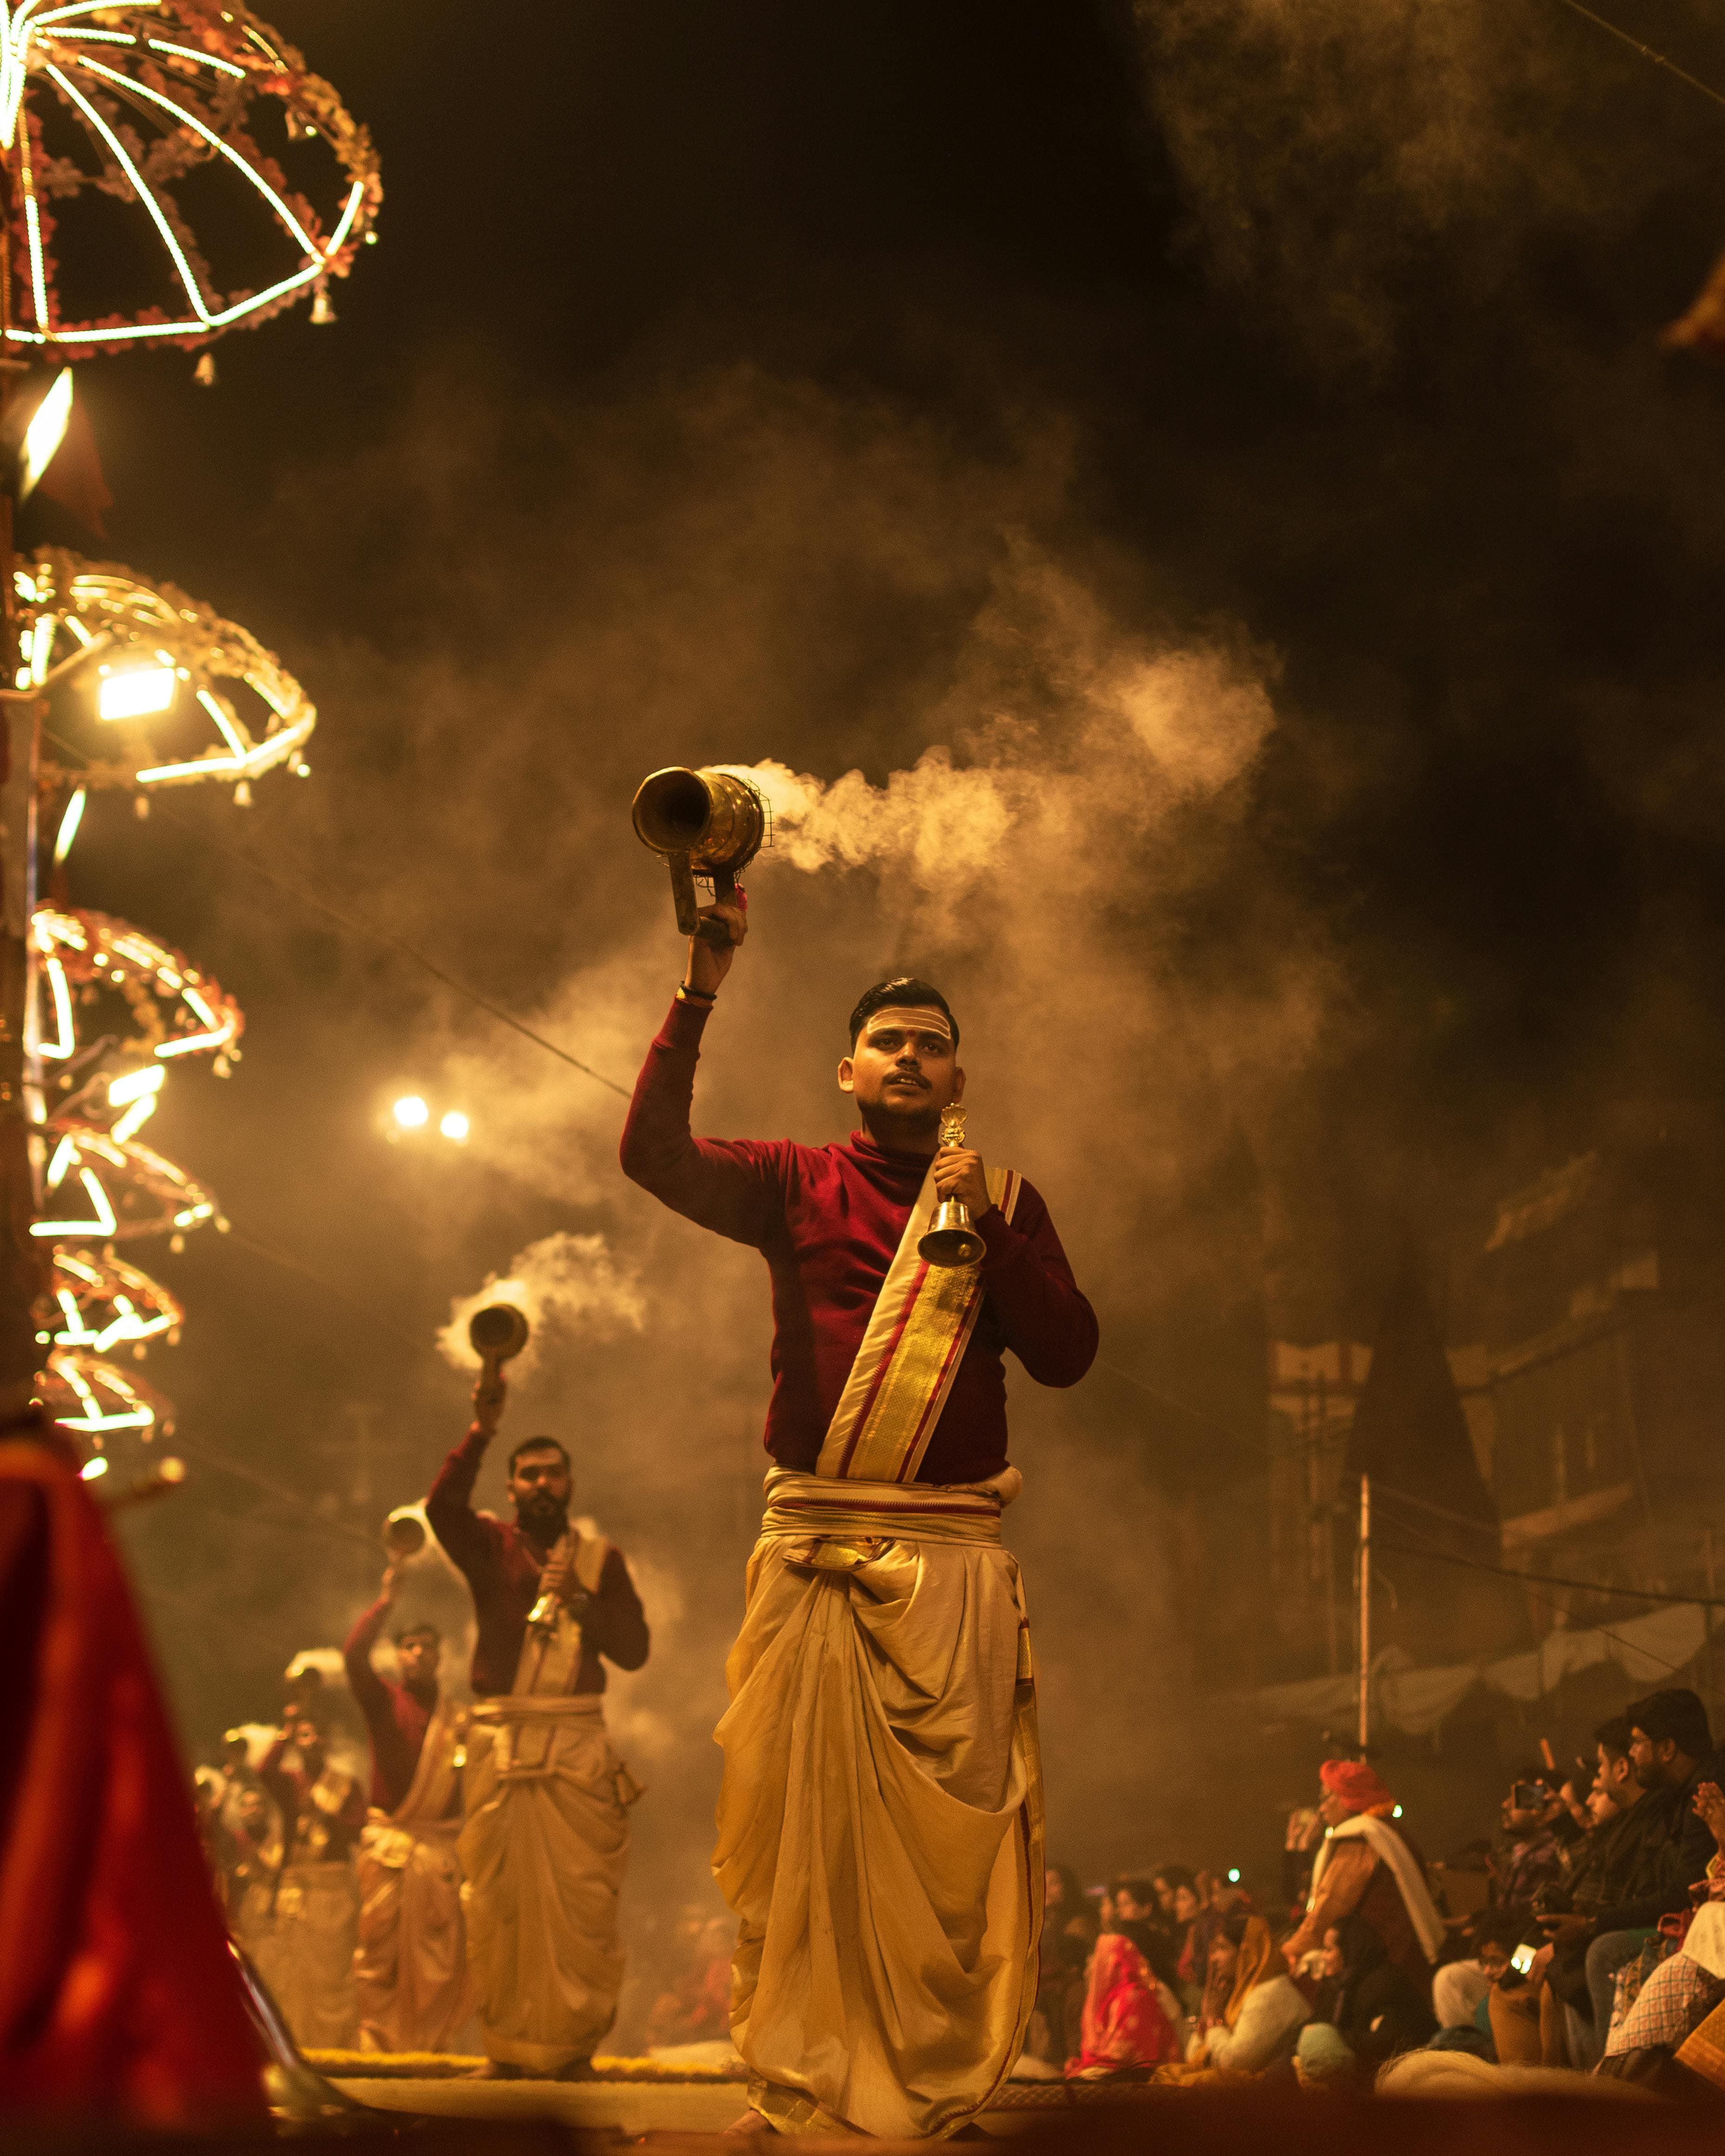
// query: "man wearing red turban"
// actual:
[[1368, 1864]]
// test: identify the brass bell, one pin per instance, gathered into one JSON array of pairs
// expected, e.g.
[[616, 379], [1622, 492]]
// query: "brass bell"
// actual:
[[950, 1238]]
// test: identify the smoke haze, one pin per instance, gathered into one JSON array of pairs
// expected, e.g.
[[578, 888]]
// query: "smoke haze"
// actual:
[[1217, 579]]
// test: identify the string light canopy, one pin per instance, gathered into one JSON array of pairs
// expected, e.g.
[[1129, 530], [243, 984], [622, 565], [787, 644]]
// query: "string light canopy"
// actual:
[[106, 1305], [108, 1189], [117, 1012], [157, 107], [159, 690], [175, 1008], [99, 1399]]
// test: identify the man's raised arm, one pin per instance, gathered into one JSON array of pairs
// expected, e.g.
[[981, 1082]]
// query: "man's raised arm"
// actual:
[[728, 1188], [471, 1542], [363, 1681]]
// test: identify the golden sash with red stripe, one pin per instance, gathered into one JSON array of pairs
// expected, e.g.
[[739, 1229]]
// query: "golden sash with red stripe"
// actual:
[[916, 1336]]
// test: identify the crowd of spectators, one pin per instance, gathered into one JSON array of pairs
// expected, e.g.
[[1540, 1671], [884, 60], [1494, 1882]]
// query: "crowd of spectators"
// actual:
[[1598, 1945]]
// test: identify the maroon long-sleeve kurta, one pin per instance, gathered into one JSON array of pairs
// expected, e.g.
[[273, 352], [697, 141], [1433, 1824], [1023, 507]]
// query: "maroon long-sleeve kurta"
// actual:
[[301, 1816], [397, 1718], [503, 1568], [829, 1220]]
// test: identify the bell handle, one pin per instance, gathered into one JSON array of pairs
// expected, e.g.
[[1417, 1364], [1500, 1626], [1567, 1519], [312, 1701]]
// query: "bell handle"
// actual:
[[682, 878], [724, 894]]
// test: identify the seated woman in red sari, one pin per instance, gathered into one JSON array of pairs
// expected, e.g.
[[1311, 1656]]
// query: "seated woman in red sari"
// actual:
[[1131, 2020]]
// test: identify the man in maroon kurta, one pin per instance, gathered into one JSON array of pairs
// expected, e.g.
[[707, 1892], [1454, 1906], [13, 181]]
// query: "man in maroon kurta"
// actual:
[[397, 1715], [828, 1220], [545, 1839], [410, 1967], [306, 1958], [889, 1895]]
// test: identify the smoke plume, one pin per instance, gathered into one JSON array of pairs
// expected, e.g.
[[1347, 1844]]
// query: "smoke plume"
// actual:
[[1341, 158], [567, 1288]]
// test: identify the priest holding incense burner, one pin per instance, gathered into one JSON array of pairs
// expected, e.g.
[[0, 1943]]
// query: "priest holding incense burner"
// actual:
[[880, 1819]]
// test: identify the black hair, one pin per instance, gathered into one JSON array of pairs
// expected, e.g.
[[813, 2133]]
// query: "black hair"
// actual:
[[1497, 1927], [1234, 1926], [1175, 1874], [1155, 1945], [539, 1444], [1613, 1737], [417, 1631], [1072, 1893], [906, 989], [1142, 1890], [1676, 1713]]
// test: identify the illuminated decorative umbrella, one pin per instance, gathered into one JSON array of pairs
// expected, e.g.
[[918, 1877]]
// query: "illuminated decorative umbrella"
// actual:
[[120, 1009], [93, 1397], [176, 1009], [134, 121], [199, 697], [106, 1304], [113, 1188], [148, 105]]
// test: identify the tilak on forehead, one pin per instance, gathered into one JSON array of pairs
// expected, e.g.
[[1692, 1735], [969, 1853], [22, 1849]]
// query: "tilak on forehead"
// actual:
[[909, 1018]]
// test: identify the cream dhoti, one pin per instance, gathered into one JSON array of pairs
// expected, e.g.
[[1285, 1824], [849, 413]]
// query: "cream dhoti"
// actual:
[[880, 1819], [306, 1955], [542, 1857], [410, 1969]]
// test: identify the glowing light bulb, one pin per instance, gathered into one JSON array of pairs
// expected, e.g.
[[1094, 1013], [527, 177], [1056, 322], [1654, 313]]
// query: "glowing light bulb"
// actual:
[[1234, 1875], [139, 692], [45, 433], [455, 1126], [68, 826], [92, 1469], [134, 1084], [412, 1113]]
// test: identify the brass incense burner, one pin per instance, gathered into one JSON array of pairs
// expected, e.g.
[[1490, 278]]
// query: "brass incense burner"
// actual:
[[705, 822]]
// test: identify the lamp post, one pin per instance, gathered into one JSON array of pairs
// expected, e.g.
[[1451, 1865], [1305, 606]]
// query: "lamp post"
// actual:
[[155, 88], [1365, 1612]]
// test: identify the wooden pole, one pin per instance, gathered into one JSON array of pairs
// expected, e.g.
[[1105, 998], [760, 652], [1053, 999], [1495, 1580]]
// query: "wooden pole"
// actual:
[[21, 1272], [1365, 1611]]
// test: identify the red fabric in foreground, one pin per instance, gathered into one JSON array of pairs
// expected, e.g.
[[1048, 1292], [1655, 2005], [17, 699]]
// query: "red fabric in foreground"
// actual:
[[118, 1997]]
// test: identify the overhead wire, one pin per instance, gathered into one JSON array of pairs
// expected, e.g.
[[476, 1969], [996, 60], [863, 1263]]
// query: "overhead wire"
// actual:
[[1628, 1646], [1646, 52], [393, 942], [291, 1264], [1550, 1579], [383, 936]]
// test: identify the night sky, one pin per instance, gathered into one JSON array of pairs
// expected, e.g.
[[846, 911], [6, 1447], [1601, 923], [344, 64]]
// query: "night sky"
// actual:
[[710, 362]]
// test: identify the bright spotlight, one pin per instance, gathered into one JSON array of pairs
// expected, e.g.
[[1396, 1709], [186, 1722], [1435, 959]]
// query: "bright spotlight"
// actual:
[[455, 1125], [1234, 1876], [412, 1113], [137, 692], [93, 1468]]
